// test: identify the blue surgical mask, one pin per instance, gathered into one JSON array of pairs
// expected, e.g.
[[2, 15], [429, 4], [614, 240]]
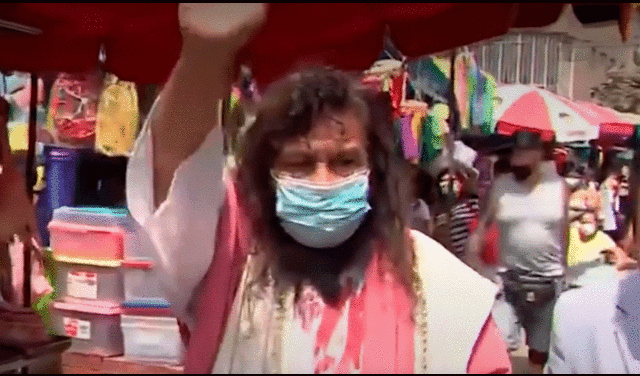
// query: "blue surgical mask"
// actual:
[[322, 215]]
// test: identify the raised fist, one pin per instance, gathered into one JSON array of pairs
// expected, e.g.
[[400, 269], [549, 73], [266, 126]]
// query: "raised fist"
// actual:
[[229, 24]]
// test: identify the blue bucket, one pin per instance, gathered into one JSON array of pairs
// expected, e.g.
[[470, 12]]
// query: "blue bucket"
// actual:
[[61, 165]]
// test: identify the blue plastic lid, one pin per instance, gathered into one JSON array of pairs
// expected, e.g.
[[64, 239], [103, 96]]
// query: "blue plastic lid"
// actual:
[[97, 210], [94, 216], [146, 303]]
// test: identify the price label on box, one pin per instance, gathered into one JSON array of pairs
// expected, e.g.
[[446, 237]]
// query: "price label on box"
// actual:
[[82, 285], [75, 328]]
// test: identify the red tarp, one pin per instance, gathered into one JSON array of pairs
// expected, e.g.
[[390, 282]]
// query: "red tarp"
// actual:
[[142, 41]]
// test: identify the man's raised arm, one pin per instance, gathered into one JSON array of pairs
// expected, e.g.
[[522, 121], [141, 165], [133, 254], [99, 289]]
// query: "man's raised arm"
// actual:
[[188, 108]]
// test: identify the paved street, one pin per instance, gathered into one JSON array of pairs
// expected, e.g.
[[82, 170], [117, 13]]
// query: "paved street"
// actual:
[[519, 361]]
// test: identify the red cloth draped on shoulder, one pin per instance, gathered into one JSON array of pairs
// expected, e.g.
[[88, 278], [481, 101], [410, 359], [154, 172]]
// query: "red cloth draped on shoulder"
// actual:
[[219, 286]]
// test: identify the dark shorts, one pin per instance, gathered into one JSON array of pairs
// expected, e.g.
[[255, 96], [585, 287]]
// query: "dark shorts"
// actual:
[[514, 312]]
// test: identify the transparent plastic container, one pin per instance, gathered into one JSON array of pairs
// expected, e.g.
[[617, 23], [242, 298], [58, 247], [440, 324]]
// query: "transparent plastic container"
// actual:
[[141, 282], [94, 328], [83, 280], [86, 242], [152, 339]]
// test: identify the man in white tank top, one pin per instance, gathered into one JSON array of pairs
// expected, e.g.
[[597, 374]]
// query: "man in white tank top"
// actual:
[[530, 206]]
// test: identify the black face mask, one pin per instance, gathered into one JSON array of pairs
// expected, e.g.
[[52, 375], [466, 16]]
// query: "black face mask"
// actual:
[[521, 173]]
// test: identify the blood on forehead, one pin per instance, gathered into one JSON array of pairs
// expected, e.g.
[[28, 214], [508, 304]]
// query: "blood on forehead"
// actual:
[[342, 128]]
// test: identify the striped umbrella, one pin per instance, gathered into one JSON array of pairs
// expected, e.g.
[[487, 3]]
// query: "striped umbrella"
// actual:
[[521, 107]]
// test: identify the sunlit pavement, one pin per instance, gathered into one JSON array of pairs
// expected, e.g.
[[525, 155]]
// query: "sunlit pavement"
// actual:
[[519, 361]]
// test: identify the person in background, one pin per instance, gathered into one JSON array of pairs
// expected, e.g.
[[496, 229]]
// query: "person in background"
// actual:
[[615, 206], [452, 227], [530, 206], [589, 247], [583, 193], [596, 326], [421, 216], [310, 266]]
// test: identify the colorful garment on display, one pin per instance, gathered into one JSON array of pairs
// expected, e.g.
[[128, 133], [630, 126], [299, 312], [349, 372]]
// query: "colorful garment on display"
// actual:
[[461, 90], [409, 141], [397, 90], [118, 117], [16, 89], [474, 89], [431, 76], [417, 124], [490, 91], [477, 89], [73, 108], [435, 127]]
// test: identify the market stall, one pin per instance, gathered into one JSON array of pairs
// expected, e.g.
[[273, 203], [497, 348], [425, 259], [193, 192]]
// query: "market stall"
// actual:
[[94, 105]]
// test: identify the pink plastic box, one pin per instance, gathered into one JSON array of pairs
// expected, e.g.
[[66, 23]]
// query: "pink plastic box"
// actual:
[[86, 242]]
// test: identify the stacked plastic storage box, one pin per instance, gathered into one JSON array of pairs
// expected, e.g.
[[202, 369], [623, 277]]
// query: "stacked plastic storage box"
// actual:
[[96, 251], [151, 332], [88, 247]]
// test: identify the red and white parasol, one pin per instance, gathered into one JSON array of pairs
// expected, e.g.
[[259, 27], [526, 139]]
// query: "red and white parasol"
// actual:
[[521, 107]]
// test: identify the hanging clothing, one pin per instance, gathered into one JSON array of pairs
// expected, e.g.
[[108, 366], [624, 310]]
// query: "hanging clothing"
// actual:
[[397, 90], [431, 76], [477, 84], [461, 90], [73, 107], [118, 117], [434, 128], [490, 91], [409, 142]]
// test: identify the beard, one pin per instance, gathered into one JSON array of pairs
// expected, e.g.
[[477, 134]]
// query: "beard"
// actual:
[[298, 263]]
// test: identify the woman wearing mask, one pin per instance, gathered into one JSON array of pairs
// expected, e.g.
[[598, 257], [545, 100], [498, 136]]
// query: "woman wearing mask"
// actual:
[[590, 251]]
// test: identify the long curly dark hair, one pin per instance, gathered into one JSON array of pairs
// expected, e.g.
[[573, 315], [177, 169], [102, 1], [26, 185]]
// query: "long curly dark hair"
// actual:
[[288, 110]]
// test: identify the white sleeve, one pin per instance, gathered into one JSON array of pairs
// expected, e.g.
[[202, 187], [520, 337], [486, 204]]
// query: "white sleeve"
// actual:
[[180, 234]]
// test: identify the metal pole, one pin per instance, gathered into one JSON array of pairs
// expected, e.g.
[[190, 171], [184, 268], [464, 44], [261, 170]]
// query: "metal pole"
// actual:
[[546, 62], [500, 63], [533, 59], [453, 128], [571, 71], [31, 152], [484, 59], [519, 58]]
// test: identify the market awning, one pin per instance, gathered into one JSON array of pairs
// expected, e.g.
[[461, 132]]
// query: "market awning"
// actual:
[[614, 129], [142, 41]]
